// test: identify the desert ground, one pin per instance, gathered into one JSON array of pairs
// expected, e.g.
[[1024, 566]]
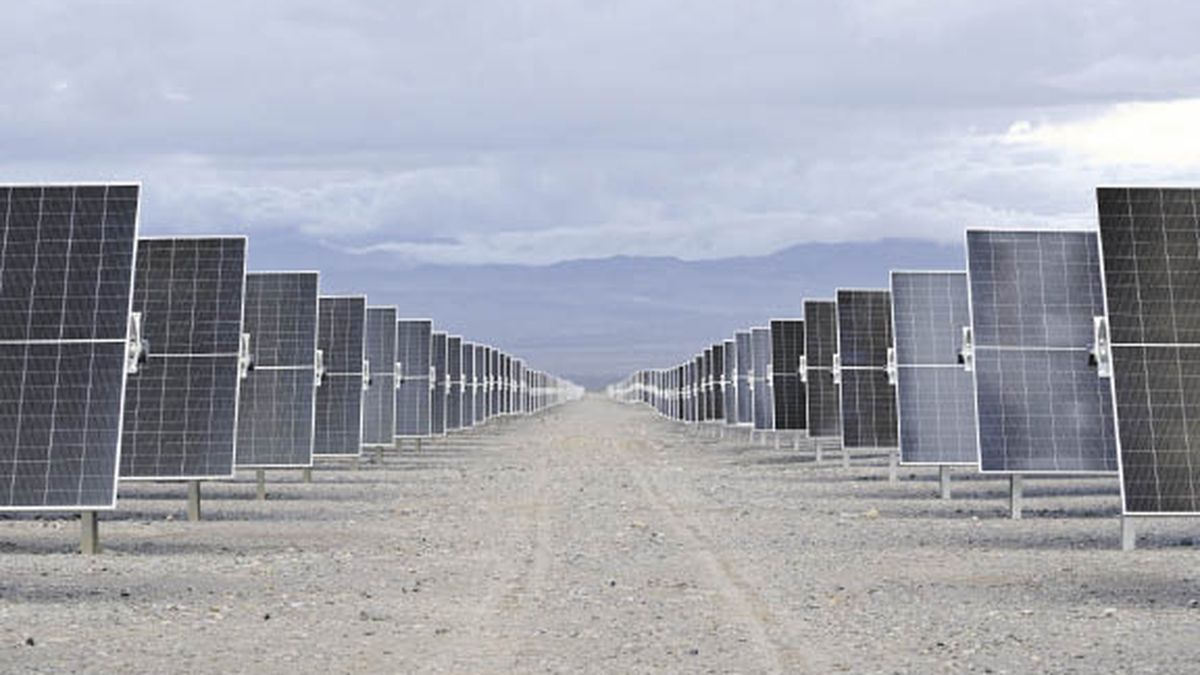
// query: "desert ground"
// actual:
[[600, 538]]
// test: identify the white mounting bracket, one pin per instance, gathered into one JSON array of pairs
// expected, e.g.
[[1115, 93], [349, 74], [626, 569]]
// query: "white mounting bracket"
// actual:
[[135, 346], [837, 368], [1101, 352], [366, 374], [245, 358], [319, 367], [966, 355], [890, 368], [803, 369]]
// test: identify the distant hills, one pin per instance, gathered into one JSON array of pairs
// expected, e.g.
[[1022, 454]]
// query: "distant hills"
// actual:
[[595, 320]]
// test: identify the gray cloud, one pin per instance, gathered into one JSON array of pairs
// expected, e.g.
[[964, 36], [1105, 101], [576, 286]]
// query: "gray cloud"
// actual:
[[533, 131]]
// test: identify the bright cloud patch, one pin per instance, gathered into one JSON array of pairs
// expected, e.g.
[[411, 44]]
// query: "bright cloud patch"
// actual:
[[1165, 133]]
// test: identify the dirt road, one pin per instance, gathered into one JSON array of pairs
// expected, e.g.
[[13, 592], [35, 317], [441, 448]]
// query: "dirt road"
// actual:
[[598, 538]]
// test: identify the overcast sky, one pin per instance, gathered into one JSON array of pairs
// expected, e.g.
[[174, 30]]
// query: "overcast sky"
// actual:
[[533, 131]]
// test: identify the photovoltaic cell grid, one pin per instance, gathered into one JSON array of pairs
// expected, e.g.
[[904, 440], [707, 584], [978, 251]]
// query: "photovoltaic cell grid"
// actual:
[[414, 343], [66, 276], [468, 384], [760, 358], [482, 395], [729, 376], [454, 395], [745, 395], [935, 394], [379, 400], [519, 380], [824, 396], [181, 404], [437, 417], [276, 410], [717, 394], [787, 346], [1041, 406], [868, 399], [501, 383], [494, 384], [341, 329], [1151, 248]]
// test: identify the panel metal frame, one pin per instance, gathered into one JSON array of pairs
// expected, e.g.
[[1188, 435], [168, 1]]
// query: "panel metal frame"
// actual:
[[237, 387], [120, 431], [312, 432], [899, 417], [361, 375], [975, 373]]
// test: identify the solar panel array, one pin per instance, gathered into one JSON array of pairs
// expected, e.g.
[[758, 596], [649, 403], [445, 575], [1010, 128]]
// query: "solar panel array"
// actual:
[[180, 418], [935, 393], [66, 280], [868, 397], [1055, 352], [787, 348], [341, 339], [1041, 406], [163, 359], [379, 400], [276, 409]]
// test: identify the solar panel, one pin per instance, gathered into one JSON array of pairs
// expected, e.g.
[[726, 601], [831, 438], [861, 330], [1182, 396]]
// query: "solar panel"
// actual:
[[66, 276], [935, 394], [729, 381], [787, 347], [868, 397], [437, 419], [501, 383], [181, 403], [717, 392], [824, 395], [341, 328], [508, 384], [379, 400], [681, 393], [276, 407], [760, 358], [1151, 247], [469, 385], [454, 392], [519, 383], [745, 394], [414, 344], [482, 395], [1041, 406], [494, 383]]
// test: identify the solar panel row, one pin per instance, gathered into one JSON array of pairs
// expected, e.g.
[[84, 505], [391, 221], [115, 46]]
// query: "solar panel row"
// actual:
[[163, 359]]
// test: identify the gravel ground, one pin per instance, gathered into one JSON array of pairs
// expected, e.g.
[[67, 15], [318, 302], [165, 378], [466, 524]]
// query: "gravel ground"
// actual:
[[599, 538]]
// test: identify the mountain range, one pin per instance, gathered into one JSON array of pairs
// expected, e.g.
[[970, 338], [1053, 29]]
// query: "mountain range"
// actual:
[[595, 320]]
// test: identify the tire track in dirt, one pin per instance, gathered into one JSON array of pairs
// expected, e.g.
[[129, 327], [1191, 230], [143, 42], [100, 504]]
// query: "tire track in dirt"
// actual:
[[746, 606]]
